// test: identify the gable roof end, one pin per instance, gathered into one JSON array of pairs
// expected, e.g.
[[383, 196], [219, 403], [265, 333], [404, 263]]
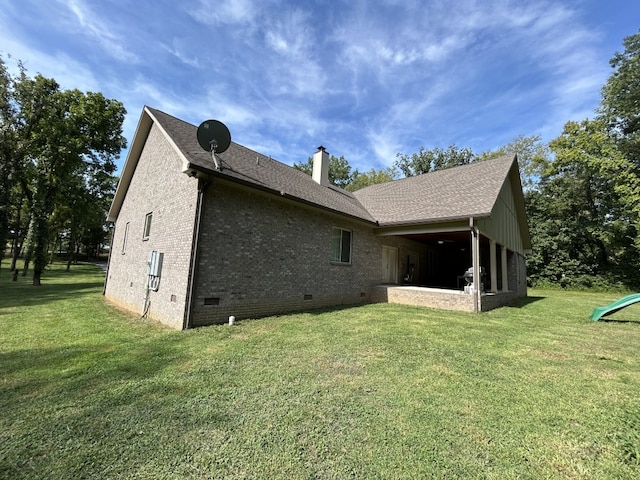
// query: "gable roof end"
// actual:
[[244, 166], [135, 150], [443, 195], [147, 119]]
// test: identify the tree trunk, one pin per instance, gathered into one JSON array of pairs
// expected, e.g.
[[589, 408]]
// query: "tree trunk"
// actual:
[[36, 277], [18, 239], [41, 243], [4, 204], [53, 247], [14, 244], [25, 267], [70, 249], [29, 247], [16, 253]]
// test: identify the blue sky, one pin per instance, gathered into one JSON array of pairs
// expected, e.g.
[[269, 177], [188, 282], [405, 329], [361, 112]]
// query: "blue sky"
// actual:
[[366, 79]]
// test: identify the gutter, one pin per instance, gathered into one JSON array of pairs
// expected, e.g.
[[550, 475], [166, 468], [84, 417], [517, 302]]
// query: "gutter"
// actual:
[[432, 220], [106, 274], [203, 186]]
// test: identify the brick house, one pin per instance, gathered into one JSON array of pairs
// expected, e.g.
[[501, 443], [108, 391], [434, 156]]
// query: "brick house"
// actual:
[[195, 243]]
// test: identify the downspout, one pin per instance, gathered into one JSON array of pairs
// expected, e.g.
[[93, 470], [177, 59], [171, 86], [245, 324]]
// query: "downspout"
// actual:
[[475, 260], [202, 189], [106, 275]]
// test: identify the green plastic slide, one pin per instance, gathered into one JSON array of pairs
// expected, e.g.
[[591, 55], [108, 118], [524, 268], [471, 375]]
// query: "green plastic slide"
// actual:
[[619, 304]]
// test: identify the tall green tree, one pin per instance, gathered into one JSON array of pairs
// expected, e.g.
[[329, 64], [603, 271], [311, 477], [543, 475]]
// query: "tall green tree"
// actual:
[[620, 109], [533, 155], [620, 105], [63, 136], [580, 222], [372, 177], [7, 151], [425, 161]]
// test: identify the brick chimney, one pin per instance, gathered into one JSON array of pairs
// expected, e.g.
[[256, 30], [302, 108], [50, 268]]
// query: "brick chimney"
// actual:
[[321, 166]]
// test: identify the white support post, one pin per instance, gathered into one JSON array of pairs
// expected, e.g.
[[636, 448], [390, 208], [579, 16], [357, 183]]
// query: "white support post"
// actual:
[[475, 254]]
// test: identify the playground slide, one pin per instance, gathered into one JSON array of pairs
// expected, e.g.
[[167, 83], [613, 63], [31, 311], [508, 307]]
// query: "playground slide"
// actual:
[[619, 304]]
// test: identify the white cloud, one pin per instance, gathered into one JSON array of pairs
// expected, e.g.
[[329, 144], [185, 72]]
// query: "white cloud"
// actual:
[[66, 70], [295, 51], [182, 53], [96, 27], [217, 12], [365, 78]]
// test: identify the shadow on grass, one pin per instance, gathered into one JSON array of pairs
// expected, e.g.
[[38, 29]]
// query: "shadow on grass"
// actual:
[[57, 284], [85, 404], [524, 301], [618, 320], [26, 295]]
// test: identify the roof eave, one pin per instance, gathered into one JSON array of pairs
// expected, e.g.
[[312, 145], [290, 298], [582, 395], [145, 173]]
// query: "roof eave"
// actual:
[[199, 171], [147, 119], [135, 150], [430, 221]]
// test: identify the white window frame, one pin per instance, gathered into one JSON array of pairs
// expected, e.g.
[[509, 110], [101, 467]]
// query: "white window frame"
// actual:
[[124, 238], [146, 232], [337, 249]]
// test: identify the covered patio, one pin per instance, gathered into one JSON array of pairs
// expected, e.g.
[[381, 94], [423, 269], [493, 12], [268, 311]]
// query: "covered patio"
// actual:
[[435, 227], [434, 276]]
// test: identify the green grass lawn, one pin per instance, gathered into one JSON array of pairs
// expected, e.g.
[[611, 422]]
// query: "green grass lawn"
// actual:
[[372, 392]]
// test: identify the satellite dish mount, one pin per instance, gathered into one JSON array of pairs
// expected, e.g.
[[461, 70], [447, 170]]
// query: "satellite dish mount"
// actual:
[[214, 137]]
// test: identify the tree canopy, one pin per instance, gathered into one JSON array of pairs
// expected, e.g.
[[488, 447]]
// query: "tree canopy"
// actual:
[[620, 105], [339, 170], [428, 160], [341, 176], [58, 156]]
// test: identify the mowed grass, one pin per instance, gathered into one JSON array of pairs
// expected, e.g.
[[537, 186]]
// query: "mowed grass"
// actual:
[[372, 392]]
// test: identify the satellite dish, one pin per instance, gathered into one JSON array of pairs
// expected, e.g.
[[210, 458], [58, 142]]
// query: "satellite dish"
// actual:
[[214, 136]]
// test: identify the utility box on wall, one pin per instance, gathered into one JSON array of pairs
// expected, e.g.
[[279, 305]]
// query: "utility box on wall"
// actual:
[[154, 263], [154, 269]]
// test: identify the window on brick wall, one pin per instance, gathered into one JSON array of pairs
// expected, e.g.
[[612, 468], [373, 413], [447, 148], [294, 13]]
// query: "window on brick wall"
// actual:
[[147, 226], [124, 238], [341, 246]]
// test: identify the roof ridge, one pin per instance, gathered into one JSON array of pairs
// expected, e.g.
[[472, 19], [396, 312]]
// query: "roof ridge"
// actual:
[[441, 171]]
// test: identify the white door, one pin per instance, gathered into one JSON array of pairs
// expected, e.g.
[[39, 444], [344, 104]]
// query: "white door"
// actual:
[[389, 264]]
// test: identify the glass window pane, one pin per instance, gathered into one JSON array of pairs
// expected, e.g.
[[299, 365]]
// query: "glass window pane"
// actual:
[[346, 246], [335, 245], [147, 225]]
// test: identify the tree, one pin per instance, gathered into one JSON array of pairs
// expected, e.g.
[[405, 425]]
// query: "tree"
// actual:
[[339, 170], [63, 137], [620, 109], [80, 220], [533, 156], [435, 159], [7, 148], [372, 177], [579, 220], [620, 105]]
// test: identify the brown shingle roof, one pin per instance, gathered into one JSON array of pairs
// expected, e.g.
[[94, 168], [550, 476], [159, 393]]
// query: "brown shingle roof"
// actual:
[[452, 194], [455, 193], [245, 166]]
